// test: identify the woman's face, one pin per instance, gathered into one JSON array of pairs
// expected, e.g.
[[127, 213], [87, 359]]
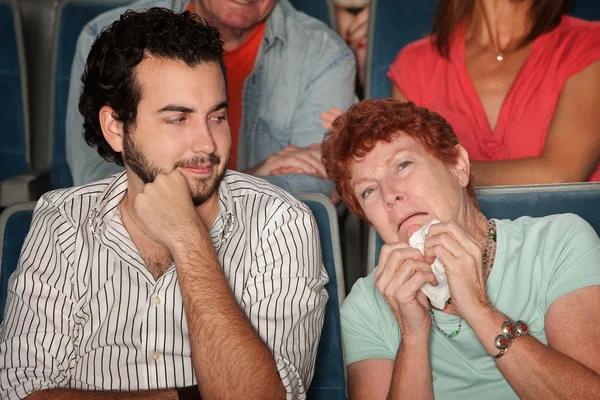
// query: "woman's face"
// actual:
[[401, 187]]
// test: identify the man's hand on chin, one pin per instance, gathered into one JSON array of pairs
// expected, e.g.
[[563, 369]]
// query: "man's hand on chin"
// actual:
[[166, 209]]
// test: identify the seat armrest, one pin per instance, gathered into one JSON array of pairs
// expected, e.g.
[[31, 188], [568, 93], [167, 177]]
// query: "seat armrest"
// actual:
[[28, 186]]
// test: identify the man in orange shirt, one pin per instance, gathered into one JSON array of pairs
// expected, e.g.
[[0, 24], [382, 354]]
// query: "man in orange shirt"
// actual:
[[283, 69]]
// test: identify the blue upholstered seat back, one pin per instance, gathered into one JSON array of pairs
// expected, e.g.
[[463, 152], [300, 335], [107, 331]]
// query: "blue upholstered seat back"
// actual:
[[13, 131], [72, 17], [329, 381]]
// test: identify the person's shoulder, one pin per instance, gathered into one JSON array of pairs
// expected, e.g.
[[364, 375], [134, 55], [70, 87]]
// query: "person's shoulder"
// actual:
[[68, 203], [572, 25], [420, 55], [303, 29], [363, 296], [554, 229], [422, 46], [573, 32], [251, 192], [422, 49]]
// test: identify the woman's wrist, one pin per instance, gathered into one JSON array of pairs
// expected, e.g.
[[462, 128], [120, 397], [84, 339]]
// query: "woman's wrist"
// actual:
[[487, 324], [415, 339]]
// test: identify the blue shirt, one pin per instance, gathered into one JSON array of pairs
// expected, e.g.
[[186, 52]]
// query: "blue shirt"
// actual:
[[302, 69]]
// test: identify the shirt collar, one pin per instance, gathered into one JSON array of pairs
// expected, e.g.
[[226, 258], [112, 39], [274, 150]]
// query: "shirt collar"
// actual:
[[108, 202], [107, 205], [225, 222], [275, 29]]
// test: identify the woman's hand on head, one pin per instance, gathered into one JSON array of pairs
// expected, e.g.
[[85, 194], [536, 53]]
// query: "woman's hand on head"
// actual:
[[399, 276], [461, 256]]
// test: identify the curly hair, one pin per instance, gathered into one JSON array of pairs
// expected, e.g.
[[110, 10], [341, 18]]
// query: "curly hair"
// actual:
[[354, 134], [109, 76]]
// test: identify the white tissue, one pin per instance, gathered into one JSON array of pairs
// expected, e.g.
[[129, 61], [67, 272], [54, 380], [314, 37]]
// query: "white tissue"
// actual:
[[438, 295]]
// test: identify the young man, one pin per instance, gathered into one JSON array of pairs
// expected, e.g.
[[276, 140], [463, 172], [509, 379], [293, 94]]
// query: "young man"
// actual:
[[284, 69], [176, 272]]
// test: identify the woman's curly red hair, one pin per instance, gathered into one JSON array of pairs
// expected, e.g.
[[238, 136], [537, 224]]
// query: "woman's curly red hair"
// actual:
[[354, 134]]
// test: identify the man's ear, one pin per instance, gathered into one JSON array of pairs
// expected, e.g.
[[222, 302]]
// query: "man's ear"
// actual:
[[111, 128], [462, 168]]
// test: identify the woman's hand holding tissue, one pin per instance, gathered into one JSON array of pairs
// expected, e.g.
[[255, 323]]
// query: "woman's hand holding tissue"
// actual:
[[399, 276], [462, 256]]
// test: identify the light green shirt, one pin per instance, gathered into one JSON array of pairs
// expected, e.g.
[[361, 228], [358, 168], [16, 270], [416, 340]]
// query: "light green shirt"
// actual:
[[537, 261]]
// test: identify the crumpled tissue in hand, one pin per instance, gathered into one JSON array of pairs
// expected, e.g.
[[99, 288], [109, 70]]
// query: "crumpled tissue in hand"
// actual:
[[438, 295]]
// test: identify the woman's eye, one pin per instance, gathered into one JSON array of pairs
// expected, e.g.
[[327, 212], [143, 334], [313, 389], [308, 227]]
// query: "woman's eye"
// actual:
[[366, 192], [404, 164]]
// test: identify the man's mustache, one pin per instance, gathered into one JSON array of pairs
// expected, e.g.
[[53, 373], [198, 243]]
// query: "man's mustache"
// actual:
[[211, 159]]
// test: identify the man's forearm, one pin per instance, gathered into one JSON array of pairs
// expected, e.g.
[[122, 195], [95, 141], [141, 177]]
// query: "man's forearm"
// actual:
[[411, 377], [230, 359], [70, 394]]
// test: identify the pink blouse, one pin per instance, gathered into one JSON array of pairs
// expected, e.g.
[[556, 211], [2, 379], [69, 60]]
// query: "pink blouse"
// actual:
[[422, 75]]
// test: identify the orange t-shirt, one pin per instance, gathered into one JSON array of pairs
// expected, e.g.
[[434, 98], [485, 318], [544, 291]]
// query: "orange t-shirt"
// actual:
[[239, 63]]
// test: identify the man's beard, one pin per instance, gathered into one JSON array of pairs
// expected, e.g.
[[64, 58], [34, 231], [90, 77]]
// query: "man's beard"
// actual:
[[202, 188]]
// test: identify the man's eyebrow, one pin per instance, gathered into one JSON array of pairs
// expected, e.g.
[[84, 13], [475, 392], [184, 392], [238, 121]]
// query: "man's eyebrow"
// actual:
[[175, 108], [220, 106]]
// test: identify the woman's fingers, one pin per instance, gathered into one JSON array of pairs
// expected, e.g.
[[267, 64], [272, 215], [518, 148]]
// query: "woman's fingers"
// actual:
[[458, 234], [329, 116]]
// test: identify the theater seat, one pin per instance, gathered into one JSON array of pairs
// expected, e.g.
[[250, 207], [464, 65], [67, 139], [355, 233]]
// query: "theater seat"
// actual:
[[329, 381], [14, 134], [14, 225], [511, 202], [72, 16]]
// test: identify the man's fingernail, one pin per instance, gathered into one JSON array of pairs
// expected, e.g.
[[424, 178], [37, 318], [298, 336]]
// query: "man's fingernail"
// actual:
[[362, 44]]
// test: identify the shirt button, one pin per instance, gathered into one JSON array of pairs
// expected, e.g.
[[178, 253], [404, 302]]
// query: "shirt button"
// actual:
[[156, 300], [155, 356]]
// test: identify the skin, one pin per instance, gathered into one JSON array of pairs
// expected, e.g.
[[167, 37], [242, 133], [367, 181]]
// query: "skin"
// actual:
[[397, 180], [236, 19], [498, 25], [181, 121]]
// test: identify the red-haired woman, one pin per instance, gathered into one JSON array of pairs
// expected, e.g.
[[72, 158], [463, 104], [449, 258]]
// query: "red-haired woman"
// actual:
[[522, 319]]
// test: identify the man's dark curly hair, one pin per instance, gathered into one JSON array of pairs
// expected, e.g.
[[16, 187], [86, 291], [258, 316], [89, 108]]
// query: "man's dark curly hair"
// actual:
[[109, 78]]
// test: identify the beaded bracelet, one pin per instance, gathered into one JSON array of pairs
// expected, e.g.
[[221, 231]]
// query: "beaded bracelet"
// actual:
[[510, 331]]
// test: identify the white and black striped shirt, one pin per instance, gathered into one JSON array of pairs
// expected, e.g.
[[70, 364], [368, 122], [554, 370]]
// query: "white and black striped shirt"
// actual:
[[84, 312]]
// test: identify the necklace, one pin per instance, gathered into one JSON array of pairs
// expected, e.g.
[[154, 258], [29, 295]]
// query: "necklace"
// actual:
[[450, 335], [489, 255]]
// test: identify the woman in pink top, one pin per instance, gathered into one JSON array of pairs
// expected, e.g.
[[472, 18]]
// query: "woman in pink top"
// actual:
[[519, 82]]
